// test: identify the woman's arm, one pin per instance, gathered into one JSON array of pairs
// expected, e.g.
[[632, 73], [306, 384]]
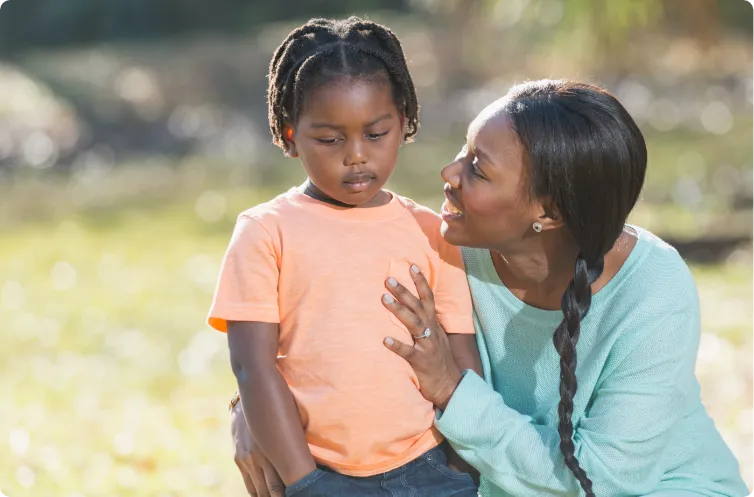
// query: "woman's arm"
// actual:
[[619, 443], [268, 404], [466, 355], [465, 352]]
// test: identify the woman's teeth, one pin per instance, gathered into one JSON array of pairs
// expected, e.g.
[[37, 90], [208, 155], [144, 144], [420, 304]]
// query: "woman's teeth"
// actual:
[[453, 209], [449, 210]]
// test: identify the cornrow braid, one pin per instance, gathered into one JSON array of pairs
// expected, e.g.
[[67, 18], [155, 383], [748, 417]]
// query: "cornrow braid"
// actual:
[[324, 49]]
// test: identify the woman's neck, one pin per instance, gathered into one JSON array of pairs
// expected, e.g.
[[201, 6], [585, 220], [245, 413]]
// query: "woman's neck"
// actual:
[[539, 271]]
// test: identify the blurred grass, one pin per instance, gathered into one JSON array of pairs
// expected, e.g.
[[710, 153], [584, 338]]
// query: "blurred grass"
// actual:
[[113, 384]]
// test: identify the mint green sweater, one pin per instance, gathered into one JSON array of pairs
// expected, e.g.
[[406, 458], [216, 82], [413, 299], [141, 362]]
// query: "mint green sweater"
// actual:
[[639, 423]]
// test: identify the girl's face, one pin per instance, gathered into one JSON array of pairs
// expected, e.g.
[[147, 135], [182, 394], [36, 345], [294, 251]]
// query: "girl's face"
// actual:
[[347, 137], [487, 198]]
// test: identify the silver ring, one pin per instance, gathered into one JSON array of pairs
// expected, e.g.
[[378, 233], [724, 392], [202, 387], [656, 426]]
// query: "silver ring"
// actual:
[[425, 334]]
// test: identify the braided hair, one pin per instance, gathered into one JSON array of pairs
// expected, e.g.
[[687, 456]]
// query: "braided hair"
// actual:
[[324, 49], [588, 157]]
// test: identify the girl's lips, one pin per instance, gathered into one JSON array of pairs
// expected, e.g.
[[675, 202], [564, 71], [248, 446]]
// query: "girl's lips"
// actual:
[[358, 185]]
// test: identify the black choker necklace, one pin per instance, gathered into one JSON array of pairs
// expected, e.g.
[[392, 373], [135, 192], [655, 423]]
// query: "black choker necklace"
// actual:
[[313, 192]]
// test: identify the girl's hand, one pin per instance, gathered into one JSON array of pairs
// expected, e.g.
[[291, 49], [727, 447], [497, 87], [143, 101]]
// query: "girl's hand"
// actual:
[[430, 357], [258, 474]]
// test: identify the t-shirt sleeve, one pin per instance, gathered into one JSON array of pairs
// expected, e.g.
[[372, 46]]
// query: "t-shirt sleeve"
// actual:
[[247, 288], [452, 295]]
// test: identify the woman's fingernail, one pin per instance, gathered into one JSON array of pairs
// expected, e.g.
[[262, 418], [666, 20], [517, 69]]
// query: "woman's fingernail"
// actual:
[[388, 341], [414, 269], [388, 298], [392, 282]]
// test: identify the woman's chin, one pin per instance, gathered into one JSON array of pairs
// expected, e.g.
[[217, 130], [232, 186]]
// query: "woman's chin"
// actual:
[[452, 233]]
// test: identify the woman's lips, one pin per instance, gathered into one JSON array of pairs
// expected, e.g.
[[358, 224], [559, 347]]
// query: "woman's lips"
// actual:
[[449, 210]]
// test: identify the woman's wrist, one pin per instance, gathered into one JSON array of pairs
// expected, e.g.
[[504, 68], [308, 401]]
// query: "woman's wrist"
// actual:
[[454, 378]]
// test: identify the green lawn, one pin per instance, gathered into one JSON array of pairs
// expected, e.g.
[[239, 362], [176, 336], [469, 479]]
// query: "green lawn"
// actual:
[[113, 385]]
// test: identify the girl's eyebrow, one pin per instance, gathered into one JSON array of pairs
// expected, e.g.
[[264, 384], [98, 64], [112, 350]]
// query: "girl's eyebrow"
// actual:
[[334, 126]]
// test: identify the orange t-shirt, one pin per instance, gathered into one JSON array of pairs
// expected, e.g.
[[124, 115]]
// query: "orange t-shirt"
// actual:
[[319, 271]]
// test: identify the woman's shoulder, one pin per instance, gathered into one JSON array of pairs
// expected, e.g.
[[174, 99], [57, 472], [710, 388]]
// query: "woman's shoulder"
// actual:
[[651, 311], [655, 271], [653, 294]]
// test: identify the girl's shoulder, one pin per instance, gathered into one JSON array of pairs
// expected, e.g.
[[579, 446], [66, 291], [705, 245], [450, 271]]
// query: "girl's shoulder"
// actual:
[[418, 210], [269, 212]]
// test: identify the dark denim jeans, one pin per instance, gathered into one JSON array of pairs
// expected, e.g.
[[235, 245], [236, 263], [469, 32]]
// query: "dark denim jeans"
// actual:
[[426, 476]]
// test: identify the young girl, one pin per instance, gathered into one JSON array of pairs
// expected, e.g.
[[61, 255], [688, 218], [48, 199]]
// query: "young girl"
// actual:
[[334, 411]]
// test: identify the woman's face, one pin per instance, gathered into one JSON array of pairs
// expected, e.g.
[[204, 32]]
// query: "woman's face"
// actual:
[[487, 195]]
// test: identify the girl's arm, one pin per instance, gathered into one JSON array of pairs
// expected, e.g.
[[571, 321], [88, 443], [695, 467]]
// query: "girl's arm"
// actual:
[[268, 404]]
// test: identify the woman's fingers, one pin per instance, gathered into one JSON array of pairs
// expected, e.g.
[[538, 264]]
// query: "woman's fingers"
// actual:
[[259, 479], [248, 481], [422, 287], [402, 295], [400, 348], [412, 321], [273, 483]]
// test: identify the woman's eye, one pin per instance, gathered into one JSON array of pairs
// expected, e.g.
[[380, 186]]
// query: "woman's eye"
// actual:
[[475, 169]]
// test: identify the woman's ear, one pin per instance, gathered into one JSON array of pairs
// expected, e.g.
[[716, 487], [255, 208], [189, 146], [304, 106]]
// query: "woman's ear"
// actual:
[[289, 143], [550, 216]]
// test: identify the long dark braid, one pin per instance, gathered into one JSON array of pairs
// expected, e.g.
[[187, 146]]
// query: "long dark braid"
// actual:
[[575, 305], [324, 49], [587, 157]]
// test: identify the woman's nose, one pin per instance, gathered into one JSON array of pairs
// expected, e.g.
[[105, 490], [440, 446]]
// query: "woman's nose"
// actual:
[[451, 173]]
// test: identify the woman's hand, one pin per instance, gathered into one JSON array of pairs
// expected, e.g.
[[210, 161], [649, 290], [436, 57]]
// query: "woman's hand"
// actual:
[[431, 357], [258, 474]]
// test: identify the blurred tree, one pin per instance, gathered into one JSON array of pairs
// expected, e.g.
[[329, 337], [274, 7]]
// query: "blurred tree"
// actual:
[[607, 25], [454, 22], [596, 30], [26, 24], [702, 16], [461, 26]]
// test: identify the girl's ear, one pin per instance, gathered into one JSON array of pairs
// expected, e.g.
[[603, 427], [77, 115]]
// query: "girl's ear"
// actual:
[[289, 142]]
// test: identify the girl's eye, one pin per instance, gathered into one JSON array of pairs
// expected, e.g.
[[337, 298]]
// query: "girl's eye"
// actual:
[[376, 136], [327, 141]]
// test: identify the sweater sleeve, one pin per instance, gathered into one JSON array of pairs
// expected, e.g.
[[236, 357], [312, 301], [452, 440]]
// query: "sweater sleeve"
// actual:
[[620, 440]]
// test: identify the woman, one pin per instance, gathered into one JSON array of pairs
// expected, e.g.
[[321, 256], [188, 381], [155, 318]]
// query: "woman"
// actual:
[[539, 198]]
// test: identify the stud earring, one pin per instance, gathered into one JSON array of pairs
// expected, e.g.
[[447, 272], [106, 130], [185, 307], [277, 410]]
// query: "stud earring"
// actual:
[[537, 227]]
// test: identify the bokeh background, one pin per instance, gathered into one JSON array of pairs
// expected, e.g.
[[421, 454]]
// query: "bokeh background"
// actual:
[[132, 133]]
